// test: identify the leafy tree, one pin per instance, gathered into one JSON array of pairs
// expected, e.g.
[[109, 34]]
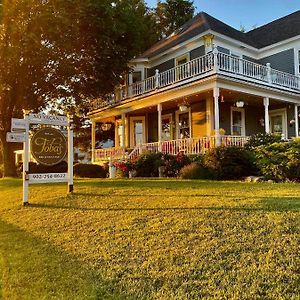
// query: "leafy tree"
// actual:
[[171, 14], [61, 53]]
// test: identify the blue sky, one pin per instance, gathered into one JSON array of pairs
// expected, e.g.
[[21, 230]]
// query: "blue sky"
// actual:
[[244, 12]]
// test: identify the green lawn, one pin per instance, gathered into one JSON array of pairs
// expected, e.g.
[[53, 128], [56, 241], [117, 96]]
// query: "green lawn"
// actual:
[[141, 239]]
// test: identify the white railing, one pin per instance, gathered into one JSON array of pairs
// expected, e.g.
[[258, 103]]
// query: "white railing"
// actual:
[[188, 146], [106, 154], [209, 64]]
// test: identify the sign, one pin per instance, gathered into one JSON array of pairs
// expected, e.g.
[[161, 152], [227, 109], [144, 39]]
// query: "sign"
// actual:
[[18, 125], [48, 146], [48, 119], [47, 177], [15, 137]]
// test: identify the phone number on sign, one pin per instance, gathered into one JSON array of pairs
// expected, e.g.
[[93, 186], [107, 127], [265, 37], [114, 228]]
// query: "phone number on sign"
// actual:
[[48, 176]]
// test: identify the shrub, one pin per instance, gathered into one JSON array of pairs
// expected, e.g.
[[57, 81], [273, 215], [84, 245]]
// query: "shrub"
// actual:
[[89, 171], [194, 171], [229, 162], [147, 165], [174, 163], [279, 161], [123, 168], [261, 139]]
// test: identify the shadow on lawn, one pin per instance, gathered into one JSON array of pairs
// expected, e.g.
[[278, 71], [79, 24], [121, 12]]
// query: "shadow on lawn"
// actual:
[[266, 204], [31, 268]]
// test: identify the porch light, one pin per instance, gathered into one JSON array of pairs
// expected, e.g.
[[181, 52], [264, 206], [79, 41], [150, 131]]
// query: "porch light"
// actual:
[[106, 126], [239, 103], [183, 108]]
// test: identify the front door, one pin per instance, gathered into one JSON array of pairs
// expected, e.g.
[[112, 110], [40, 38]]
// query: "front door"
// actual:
[[137, 131], [278, 122], [238, 121]]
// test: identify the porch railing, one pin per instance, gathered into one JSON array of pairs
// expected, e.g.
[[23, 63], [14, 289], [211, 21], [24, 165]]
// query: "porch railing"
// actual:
[[209, 64], [188, 146], [106, 154]]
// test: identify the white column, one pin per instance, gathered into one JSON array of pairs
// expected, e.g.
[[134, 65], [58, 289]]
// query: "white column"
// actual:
[[159, 125], [216, 93], [123, 130], [130, 82], [267, 120], [93, 140], [70, 154], [26, 160], [296, 120]]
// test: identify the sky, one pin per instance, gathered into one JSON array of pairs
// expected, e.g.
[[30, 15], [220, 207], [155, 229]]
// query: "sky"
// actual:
[[247, 13]]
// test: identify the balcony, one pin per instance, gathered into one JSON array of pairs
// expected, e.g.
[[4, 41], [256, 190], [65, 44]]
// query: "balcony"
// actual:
[[215, 63]]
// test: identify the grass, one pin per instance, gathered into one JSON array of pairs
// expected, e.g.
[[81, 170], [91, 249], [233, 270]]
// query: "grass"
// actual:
[[143, 239]]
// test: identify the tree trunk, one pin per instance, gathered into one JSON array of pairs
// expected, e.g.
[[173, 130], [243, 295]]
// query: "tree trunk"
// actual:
[[8, 157]]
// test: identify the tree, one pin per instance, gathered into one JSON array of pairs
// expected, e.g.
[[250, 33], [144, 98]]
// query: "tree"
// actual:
[[64, 52], [172, 14]]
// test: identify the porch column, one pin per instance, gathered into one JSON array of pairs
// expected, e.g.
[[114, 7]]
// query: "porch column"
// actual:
[[216, 93], [296, 120], [93, 140], [159, 125], [130, 82], [267, 120], [123, 130]]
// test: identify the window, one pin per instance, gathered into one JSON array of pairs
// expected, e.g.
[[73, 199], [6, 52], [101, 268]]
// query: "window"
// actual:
[[182, 69], [183, 124], [166, 134], [238, 121], [299, 61], [136, 76], [278, 122]]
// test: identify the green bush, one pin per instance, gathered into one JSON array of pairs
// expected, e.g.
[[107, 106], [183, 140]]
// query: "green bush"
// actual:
[[174, 163], [260, 139], [194, 171], [147, 165], [279, 161], [89, 171], [229, 162]]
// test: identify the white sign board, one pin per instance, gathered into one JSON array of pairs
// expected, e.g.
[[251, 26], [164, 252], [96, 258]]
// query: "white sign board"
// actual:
[[48, 119], [18, 125], [47, 177], [15, 137]]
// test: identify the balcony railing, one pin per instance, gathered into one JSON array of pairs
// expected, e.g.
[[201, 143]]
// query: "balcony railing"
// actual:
[[212, 63]]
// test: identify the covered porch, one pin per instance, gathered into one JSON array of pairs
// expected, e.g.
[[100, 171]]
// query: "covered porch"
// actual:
[[221, 115]]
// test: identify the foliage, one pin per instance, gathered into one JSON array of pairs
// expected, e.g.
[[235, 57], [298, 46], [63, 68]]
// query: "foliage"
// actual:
[[194, 171], [124, 167], [229, 162], [172, 14], [260, 139], [279, 161], [173, 164], [147, 165], [62, 53], [89, 171], [150, 239]]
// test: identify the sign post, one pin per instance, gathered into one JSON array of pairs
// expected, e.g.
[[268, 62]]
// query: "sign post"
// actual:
[[48, 147]]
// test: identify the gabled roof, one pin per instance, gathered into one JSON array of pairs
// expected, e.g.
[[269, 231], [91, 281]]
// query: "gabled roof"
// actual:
[[278, 30]]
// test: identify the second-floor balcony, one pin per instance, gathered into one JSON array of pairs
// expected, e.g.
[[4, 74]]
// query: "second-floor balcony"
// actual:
[[214, 63]]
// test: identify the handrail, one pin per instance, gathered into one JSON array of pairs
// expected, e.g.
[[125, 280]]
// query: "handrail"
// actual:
[[211, 63]]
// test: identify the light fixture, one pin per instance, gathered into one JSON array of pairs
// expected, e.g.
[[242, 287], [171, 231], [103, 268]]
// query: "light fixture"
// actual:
[[106, 126], [183, 108], [240, 103]]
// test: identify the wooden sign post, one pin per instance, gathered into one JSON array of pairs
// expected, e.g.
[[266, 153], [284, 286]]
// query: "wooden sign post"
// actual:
[[48, 147]]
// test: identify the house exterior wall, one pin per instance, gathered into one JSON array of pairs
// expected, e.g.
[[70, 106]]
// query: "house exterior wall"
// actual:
[[197, 52], [169, 64], [199, 123], [282, 61]]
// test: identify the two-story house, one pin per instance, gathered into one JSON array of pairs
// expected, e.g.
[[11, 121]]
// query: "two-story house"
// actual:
[[206, 84]]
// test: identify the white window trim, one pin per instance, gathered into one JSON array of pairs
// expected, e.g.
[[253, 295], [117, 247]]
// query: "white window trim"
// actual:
[[283, 113], [186, 55], [169, 116], [177, 113], [137, 118], [242, 110]]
